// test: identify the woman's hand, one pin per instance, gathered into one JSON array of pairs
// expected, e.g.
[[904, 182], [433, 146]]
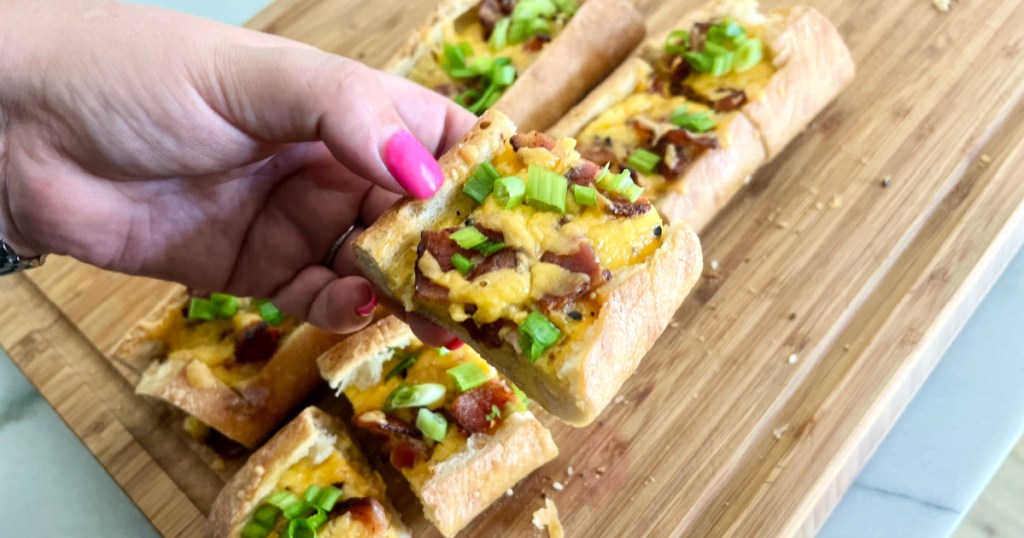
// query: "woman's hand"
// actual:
[[158, 144]]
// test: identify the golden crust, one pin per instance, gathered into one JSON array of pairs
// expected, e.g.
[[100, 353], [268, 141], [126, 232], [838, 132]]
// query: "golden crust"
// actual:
[[456, 490], [619, 85], [611, 348], [261, 473], [246, 415], [598, 37]]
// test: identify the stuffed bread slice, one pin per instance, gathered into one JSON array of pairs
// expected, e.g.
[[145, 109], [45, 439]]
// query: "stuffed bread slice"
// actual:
[[460, 434], [238, 366], [562, 289], [532, 59], [310, 479], [701, 108]]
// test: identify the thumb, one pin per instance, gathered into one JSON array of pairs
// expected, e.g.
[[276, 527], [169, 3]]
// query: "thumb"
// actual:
[[298, 94]]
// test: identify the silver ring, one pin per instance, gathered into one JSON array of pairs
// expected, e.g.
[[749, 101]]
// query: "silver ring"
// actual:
[[333, 252]]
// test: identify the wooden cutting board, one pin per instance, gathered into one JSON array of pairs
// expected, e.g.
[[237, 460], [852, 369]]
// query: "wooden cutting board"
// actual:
[[827, 299]]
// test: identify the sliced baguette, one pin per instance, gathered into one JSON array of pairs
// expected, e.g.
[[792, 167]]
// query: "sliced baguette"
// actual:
[[599, 36], [457, 489], [638, 303], [313, 434], [245, 414]]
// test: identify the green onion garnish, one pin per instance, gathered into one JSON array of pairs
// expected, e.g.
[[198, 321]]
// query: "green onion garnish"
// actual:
[[300, 528], [517, 31], [490, 247], [721, 64], [271, 314], [539, 27], [584, 195], [699, 61], [289, 503], [509, 191], [254, 529], [462, 264], [327, 498], [697, 122], [537, 334], [420, 395], [748, 55], [546, 190], [481, 66], [433, 425], [481, 182], [677, 42], [204, 309], [468, 375], [568, 7], [522, 402], [468, 237], [266, 515], [227, 305], [503, 75], [615, 182], [643, 161], [311, 493], [407, 361], [633, 193], [495, 413], [317, 519], [499, 35]]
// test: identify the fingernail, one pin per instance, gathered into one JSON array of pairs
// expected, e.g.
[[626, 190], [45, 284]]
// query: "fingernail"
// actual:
[[368, 308], [453, 344], [413, 166]]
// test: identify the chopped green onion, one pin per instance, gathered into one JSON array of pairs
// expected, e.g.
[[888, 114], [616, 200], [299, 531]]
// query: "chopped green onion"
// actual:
[[254, 529], [227, 305], [509, 191], [748, 55], [546, 190], [714, 49], [466, 49], [327, 498], [300, 528], [468, 237], [699, 61], [697, 122], [538, 27], [420, 395], [517, 31], [532, 9], [481, 66], [721, 64], [584, 195], [266, 515], [317, 519], [452, 57], [568, 7], [433, 425], [442, 351], [480, 183], [490, 247], [289, 503], [403, 365], [468, 375], [522, 402], [677, 42], [633, 193], [487, 99], [499, 35], [643, 161], [503, 75], [495, 413], [615, 182], [537, 334], [311, 493], [462, 264], [271, 314], [204, 309]]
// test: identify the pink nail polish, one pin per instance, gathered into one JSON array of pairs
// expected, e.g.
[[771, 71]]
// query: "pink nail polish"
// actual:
[[368, 308], [453, 344], [413, 166]]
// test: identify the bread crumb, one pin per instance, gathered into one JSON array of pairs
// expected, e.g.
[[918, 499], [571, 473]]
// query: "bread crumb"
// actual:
[[793, 358], [942, 5], [547, 516], [835, 202], [619, 399], [778, 432], [863, 160], [747, 180], [673, 324], [986, 158], [602, 469], [649, 479], [714, 265], [558, 486], [570, 471], [819, 205], [509, 492]]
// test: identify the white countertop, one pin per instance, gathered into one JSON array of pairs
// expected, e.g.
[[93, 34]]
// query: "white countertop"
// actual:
[[923, 479]]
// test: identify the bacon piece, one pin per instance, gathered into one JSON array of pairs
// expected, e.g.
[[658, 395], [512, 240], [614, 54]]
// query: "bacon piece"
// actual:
[[490, 12], [532, 139], [625, 208], [682, 137], [470, 409], [503, 259], [403, 442], [733, 100], [257, 342], [584, 173], [367, 510], [489, 334], [584, 260], [599, 154], [440, 245], [698, 35], [535, 43]]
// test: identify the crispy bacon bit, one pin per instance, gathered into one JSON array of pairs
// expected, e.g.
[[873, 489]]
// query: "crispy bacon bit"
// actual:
[[646, 130], [503, 259], [625, 208], [584, 260], [490, 12], [584, 173], [404, 442], [536, 43], [365, 509], [684, 138], [470, 409], [733, 100], [257, 342], [439, 244], [599, 154], [698, 35], [532, 139]]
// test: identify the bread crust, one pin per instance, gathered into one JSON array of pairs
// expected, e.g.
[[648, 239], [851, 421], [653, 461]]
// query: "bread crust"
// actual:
[[813, 65], [261, 473], [247, 414], [456, 490], [636, 306], [598, 37]]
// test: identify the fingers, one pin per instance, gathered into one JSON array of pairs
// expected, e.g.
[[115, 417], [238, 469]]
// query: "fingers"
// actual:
[[425, 330], [294, 94], [433, 118], [327, 301]]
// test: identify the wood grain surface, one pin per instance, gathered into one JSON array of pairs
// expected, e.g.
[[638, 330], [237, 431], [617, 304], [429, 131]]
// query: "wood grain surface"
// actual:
[[832, 299]]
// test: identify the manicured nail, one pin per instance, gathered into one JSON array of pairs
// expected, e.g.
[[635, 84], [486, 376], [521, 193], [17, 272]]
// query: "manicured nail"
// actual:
[[453, 344], [368, 308], [412, 165]]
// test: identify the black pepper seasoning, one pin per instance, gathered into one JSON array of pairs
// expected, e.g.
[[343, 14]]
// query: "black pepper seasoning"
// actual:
[[657, 231], [575, 316]]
